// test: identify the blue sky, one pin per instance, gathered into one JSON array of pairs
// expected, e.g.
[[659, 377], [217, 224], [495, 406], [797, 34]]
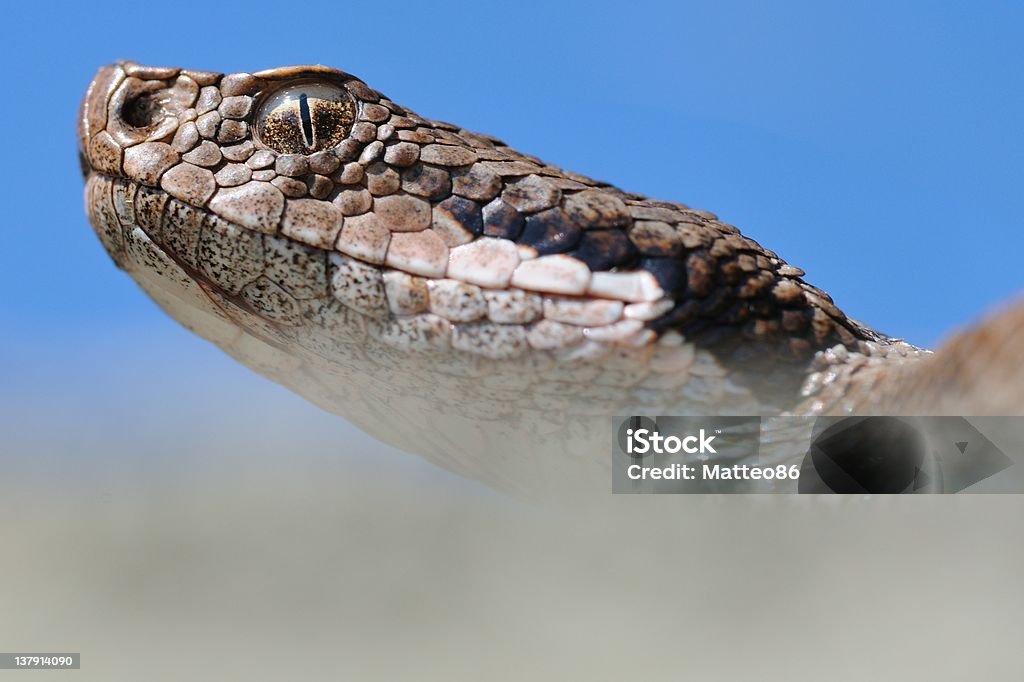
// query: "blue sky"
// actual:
[[876, 145]]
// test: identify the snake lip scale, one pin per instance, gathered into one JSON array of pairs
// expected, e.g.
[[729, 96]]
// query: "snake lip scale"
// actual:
[[400, 271]]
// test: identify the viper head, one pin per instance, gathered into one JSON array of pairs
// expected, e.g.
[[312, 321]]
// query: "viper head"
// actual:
[[239, 145], [276, 188]]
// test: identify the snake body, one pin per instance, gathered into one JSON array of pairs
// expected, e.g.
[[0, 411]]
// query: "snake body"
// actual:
[[461, 299]]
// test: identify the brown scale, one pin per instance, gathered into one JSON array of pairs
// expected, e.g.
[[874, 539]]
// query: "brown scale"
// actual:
[[605, 249]]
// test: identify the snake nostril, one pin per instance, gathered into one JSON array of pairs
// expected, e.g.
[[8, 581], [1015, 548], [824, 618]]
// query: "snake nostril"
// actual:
[[142, 111]]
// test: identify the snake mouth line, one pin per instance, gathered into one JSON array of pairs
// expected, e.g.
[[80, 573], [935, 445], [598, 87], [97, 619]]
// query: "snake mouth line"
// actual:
[[127, 218], [152, 227], [172, 214], [179, 231]]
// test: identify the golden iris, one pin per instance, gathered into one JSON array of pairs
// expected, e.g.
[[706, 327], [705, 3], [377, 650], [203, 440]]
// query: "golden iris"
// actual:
[[303, 118]]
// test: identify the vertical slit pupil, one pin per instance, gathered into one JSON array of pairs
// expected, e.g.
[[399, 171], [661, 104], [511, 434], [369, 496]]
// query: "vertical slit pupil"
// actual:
[[307, 120]]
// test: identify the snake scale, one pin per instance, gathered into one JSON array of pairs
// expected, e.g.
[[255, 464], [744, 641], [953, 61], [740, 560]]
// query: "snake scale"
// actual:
[[463, 300]]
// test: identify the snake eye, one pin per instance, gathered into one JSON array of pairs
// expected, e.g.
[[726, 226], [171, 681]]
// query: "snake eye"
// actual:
[[305, 117]]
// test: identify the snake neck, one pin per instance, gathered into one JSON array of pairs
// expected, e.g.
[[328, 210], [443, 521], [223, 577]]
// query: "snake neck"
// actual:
[[978, 371]]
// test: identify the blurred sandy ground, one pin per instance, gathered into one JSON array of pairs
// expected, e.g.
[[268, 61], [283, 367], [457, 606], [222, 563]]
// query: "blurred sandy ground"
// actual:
[[172, 516]]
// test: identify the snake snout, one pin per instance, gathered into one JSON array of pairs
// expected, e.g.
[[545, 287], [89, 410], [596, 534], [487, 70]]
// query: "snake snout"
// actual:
[[127, 107]]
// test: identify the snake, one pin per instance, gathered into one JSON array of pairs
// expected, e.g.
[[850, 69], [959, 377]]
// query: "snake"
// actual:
[[465, 301]]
